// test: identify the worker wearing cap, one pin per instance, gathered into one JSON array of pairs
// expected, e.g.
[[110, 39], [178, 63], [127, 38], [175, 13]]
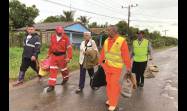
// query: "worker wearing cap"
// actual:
[[140, 50], [60, 51], [113, 56]]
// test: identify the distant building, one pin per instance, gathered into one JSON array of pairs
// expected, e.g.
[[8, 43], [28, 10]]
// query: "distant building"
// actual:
[[97, 33], [73, 29]]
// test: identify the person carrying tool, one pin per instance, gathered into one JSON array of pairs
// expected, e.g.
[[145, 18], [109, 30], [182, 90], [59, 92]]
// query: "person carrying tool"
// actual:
[[60, 51], [114, 55], [141, 48], [30, 53]]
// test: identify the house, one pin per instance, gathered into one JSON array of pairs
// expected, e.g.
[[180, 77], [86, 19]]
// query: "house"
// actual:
[[97, 33], [73, 29]]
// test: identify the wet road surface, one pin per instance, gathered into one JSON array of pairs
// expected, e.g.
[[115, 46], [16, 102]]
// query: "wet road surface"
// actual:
[[159, 93]]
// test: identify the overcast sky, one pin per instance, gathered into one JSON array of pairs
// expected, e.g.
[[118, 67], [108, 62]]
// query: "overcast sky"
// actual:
[[152, 14]]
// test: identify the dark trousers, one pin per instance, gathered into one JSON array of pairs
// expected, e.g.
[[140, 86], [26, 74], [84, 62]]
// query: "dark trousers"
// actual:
[[139, 68], [83, 75], [26, 62]]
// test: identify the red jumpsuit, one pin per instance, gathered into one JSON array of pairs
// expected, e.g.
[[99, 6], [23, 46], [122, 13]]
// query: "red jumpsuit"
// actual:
[[59, 62]]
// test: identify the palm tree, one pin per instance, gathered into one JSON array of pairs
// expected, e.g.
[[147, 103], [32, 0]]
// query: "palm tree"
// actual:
[[68, 16], [93, 25], [84, 20]]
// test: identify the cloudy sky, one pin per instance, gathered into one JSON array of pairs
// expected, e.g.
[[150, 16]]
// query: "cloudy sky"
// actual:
[[157, 15]]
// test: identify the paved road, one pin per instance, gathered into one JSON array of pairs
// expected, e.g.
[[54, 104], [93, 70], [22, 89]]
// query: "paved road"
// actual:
[[158, 94]]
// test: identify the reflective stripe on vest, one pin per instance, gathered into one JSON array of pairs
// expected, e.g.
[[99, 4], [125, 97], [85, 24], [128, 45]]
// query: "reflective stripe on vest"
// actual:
[[140, 50], [113, 57], [30, 45]]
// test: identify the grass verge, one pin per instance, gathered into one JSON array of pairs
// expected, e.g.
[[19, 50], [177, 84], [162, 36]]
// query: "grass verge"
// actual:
[[15, 54]]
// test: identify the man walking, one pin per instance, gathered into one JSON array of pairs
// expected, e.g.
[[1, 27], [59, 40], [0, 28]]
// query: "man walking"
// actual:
[[113, 56], [140, 50], [60, 51], [30, 54]]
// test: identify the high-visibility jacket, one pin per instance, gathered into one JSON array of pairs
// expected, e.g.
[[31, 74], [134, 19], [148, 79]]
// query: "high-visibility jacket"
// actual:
[[113, 57], [140, 50], [63, 45]]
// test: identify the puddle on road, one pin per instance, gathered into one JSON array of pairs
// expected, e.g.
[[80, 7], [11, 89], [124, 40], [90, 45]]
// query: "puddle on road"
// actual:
[[44, 91], [167, 96], [169, 87], [60, 89], [170, 90], [176, 105]]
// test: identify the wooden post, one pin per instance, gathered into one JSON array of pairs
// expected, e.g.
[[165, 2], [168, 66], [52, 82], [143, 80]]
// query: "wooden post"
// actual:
[[71, 37]]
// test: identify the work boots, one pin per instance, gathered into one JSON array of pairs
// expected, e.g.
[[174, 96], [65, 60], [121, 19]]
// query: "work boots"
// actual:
[[141, 84], [17, 83], [64, 82], [79, 90], [107, 103], [20, 79], [95, 88], [39, 78], [50, 88], [113, 108]]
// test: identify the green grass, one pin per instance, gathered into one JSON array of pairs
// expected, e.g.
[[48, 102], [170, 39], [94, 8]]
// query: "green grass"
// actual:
[[15, 54]]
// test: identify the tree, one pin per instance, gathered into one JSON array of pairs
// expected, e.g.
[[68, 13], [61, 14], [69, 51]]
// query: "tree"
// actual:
[[93, 25], [122, 27], [147, 34], [84, 20], [133, 33], [51, 19], [20, 15], [68, 16], [106, 24], [10, 24]]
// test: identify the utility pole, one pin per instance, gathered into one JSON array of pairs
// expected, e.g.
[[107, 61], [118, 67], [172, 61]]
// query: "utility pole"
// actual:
[[129, 14], [165, 31]]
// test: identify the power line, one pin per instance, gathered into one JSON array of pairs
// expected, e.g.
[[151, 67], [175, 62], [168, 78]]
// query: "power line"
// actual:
[[143, 14], [82, 10], [110, 4], [150, 16], [104, 3], [100, 5], [60, 4], [151, 21], [70, 5]]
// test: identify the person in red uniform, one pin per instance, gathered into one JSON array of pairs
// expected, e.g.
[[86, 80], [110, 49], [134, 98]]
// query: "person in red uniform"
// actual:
[[60, 51]]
